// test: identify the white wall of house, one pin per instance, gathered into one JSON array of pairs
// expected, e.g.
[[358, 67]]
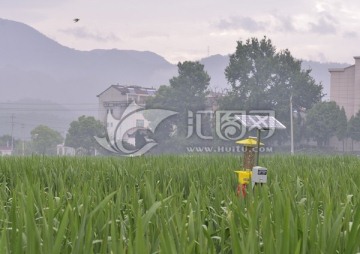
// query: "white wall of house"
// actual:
[[133, 122], [63, 150], [111, 95], [116, 101], [5, 152]]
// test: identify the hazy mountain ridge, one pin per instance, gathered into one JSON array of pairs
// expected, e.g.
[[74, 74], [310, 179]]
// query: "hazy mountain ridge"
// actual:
[[32, 63], [35, 66], [77, 75]]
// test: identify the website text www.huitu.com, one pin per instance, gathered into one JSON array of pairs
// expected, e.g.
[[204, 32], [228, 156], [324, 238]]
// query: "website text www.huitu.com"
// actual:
[[224, 149]]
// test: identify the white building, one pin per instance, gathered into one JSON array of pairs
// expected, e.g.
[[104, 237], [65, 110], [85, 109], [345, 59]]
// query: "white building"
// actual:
[[5, 151], [345, 87], [117, 97], [114, 101], [345, 91], [63, 150]]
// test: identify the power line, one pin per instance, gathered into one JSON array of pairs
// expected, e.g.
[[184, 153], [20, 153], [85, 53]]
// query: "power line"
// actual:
[[49, 110], [47, 104]]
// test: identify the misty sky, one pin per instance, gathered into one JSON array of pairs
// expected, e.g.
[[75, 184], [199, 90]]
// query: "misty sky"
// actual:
[[322, 30]]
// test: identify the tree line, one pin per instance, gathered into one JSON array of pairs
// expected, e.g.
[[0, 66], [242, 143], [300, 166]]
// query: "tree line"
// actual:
[[259, 76]]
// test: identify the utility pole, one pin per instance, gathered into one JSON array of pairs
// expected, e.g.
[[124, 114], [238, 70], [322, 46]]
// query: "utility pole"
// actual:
[[23, 140], [291, 127], [12, 132]]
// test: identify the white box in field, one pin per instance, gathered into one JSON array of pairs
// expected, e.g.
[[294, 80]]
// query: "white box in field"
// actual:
[[259, 175]]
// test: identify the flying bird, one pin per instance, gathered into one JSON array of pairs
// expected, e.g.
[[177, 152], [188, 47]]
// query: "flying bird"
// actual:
[[76, 20]]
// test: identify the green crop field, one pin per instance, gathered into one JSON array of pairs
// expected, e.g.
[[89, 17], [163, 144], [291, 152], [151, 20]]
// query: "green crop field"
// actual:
[[178, 204]]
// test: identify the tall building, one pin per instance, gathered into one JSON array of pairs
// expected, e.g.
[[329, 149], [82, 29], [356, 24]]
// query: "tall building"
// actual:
[[345, 87], [345, 91]]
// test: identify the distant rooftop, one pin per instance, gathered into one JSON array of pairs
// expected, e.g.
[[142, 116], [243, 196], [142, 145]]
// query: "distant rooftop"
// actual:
[[132, 90], [343, 68], [340, 69]]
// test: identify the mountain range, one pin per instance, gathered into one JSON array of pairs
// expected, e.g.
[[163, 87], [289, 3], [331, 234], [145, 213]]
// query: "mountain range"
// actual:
[[38, 74]]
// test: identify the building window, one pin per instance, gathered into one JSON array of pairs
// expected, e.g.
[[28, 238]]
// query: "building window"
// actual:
[[139, 123]]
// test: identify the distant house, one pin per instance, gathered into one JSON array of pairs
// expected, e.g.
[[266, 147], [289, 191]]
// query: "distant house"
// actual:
[[117, 97], [5, 151], [63, 150], [115, 100]]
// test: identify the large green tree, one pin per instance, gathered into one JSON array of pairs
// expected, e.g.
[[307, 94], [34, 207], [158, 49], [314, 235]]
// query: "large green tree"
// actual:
[[187, 92], [81, 133], [342, 122], [44, 140], [250, 74], [324, 121], [263, 79], [354, 127]]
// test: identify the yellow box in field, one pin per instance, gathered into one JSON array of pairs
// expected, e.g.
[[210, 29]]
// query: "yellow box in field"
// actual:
[[244, 177]]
